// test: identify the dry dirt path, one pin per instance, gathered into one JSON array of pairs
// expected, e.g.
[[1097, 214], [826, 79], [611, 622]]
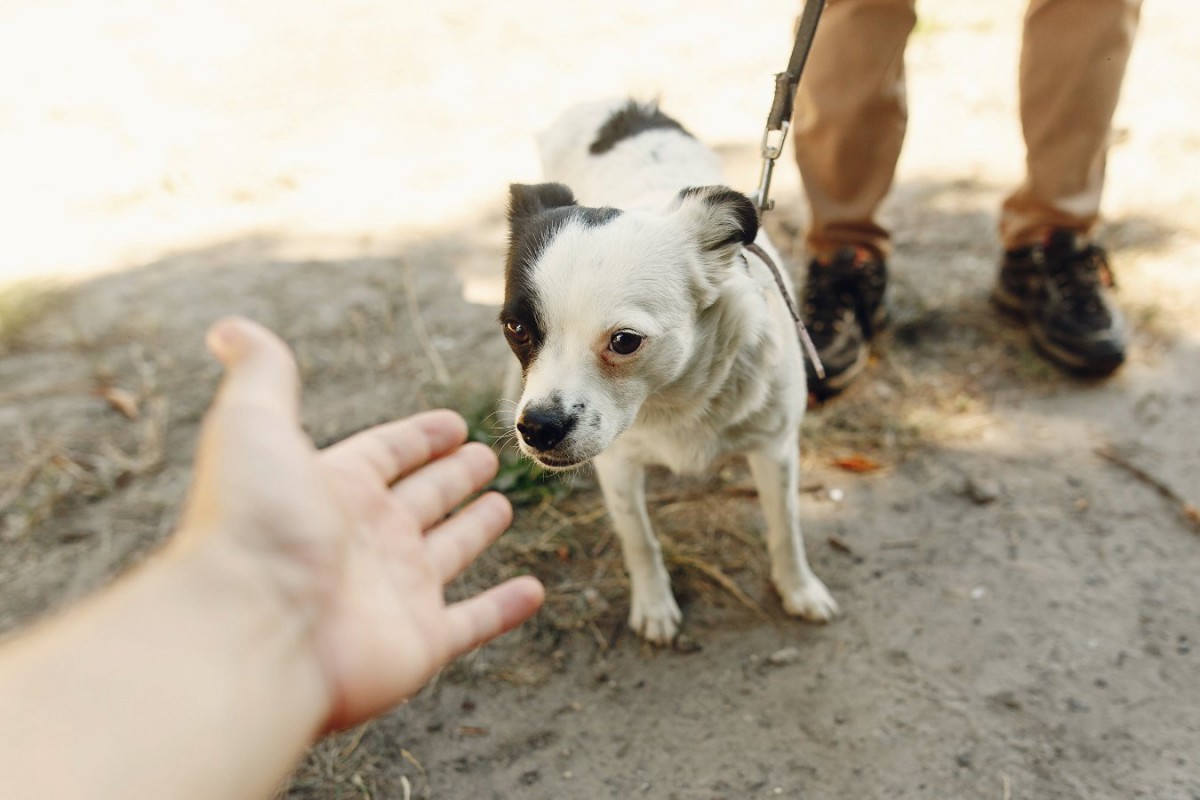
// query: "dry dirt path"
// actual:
[[1020, 608]]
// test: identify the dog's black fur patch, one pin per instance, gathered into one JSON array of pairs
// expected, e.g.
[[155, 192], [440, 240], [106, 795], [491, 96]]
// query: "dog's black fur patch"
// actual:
[[743, 216], [536, 213], [630, 120]]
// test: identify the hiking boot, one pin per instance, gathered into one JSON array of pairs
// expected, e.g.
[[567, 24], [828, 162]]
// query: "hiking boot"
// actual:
[[843, 306], [1058, 289]]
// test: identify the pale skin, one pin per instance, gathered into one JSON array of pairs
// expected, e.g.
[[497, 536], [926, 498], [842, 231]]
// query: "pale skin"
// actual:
[[302, 593]]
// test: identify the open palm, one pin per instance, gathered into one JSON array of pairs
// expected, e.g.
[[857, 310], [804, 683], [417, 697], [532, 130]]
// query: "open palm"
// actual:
[[353, 542]]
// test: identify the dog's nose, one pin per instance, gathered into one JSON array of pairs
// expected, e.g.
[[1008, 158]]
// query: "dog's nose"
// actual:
[[542, 429]]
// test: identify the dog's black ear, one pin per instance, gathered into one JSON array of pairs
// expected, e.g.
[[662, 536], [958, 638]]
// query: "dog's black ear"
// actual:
[[722, 217], [526, 200]]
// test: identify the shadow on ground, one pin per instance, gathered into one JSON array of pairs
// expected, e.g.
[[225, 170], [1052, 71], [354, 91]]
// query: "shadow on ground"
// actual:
[[1016, 605]]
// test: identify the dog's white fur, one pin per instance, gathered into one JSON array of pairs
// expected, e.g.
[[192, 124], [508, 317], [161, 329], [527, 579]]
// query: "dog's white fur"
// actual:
[[720, 370]]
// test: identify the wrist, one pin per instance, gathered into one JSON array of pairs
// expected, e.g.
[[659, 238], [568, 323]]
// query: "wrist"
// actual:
[[259, 629], [196, 683]]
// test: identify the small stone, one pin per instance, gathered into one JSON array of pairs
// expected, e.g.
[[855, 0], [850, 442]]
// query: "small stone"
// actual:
[[981, 491], [837, 495], [785, 656], [1006, 699], [963, 760], [594, 600], [978, 593]]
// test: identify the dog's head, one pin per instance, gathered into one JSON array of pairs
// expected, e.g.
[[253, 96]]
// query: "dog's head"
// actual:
[[601, 307]]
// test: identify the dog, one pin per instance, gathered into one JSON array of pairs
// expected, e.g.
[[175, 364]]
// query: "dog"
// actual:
[[647, 333]]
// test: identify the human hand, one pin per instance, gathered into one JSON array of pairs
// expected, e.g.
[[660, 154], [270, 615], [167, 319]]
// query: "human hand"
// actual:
[[352, 543]]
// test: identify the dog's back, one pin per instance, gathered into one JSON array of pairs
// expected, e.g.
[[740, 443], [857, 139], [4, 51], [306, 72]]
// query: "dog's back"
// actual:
[[648, 333], [625, 154]]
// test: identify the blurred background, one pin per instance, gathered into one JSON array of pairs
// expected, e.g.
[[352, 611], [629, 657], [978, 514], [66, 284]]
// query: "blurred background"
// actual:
[[1020, 610], [129, 128]]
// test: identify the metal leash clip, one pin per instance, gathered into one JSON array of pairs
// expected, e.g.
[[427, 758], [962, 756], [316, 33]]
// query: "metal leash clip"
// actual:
[[780, 117], [774, 137]]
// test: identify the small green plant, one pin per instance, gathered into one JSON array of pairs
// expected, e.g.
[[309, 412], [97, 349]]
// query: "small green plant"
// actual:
[[520, 479], [21, 304]]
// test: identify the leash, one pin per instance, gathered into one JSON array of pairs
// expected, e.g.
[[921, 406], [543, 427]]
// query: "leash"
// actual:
[[780, 117], [778, 121], [801, 331]]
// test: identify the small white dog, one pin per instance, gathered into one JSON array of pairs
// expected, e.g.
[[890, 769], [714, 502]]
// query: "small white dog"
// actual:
[[648, 334]]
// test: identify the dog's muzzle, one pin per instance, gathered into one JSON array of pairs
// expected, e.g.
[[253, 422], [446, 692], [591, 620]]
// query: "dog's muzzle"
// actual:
[[543, 430]]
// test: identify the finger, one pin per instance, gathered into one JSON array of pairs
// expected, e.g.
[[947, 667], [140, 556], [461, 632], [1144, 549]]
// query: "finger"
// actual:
[[436, 488], [259, 368], [396, 448], [481, 618], [458, 541]]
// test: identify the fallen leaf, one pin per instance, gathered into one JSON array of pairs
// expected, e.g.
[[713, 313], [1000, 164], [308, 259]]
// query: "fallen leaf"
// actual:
[[840, 545], [857, 463], [1192, 513], [472, 730], [122, 400]]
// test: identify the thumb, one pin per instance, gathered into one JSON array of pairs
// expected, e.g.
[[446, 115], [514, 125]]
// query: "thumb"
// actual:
[[260, 370]]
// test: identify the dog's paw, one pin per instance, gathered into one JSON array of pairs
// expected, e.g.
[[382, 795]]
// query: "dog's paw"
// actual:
[[656, 620], [810, 601]]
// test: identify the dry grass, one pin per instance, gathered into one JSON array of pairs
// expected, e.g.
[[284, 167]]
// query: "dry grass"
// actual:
[[23, 303]]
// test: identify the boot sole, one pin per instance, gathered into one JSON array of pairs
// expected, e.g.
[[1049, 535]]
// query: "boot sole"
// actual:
[[1011, 307], [836, 384]]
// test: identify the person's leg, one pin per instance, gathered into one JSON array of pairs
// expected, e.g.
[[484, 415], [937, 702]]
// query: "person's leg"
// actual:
[[851, 115], [1073, 60], [849, 126]]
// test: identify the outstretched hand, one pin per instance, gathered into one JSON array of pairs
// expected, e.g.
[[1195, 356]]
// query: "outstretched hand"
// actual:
[[352, 542]]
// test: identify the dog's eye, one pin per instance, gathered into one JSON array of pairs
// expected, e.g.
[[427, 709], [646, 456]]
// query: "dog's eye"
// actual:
[[516, 332], [624, 343]]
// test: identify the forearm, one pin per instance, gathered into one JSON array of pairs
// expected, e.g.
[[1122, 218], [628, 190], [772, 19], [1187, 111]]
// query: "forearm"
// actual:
[[184, 680]]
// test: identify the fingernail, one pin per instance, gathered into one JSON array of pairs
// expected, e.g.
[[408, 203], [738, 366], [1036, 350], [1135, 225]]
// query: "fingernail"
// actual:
[[223, 339]]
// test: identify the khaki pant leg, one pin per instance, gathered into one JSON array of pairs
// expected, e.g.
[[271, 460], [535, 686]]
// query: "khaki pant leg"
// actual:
[[850, 119], [1073, 59]]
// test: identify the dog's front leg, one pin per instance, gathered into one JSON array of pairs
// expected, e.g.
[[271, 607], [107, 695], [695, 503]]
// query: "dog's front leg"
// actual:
[[776, 471], [653, 612]]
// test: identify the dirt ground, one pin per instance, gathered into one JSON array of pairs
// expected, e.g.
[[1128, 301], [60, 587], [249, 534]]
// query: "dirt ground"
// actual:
[[1019, 576]]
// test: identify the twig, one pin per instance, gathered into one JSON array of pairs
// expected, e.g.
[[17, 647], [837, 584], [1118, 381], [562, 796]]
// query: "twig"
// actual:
[[26, 476], [722, 580], [435, 359], [411, 759], [896, 543], [353, 745], [841, 545], [1189, 511], [695, 495], [1006, 784]]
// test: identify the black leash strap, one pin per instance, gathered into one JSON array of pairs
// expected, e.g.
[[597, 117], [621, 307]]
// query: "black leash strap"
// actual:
[[778, 121], [801, 331], [782, 105]]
